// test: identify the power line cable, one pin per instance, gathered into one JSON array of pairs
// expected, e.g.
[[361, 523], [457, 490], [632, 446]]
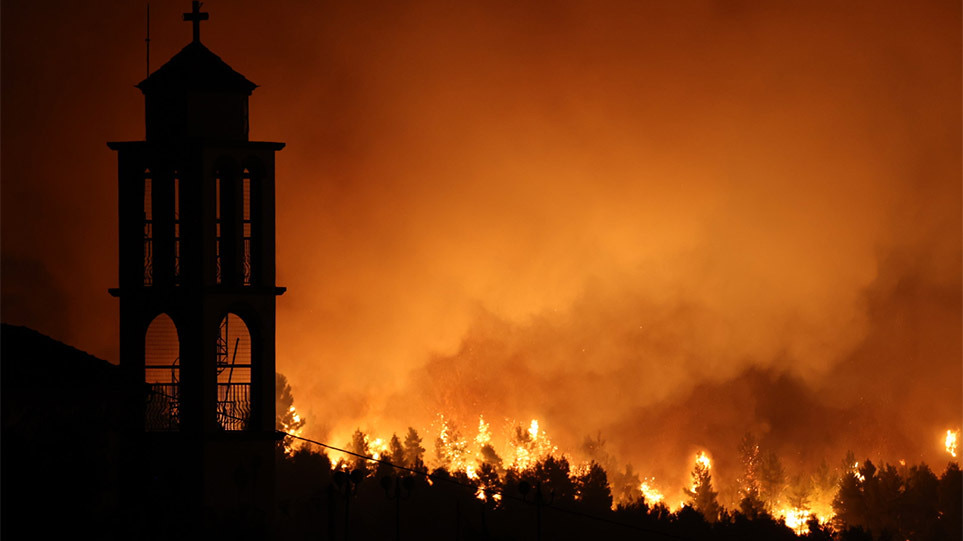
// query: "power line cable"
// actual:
[[455, 481]]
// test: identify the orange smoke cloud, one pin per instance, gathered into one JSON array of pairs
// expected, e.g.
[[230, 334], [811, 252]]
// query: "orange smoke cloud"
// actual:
[[579, 213]]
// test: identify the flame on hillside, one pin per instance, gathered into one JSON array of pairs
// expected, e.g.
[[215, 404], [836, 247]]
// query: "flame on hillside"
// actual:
[[652, 495], [484, 458], [294, 426], [951, 442]]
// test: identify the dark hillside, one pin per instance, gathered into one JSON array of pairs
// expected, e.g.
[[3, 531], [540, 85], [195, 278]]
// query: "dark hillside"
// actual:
[[62, 417]]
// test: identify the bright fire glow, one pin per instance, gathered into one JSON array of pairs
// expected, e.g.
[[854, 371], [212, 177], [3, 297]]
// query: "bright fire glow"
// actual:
[[523, 445], [652, 495], [484, 432], [951, 442], [703, 459], [795, 518], [295, 429], [452, 448], [531, 446], [378, 448]]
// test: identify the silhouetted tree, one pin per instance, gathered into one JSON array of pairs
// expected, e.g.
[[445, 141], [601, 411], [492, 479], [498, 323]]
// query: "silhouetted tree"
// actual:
[[414, 453], [904, 503], [690, 523], [287, 420], [593, 489], [396, 451], [358, 445], [919, 504], [394, 455], [817, 531], [302, 481], [554, 476], [950, 502], [701, 496], [849, 504], [489, 479], [490, 457]]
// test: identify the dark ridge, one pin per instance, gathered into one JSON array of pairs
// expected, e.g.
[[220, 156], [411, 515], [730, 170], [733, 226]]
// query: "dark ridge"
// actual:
[[63, 417]]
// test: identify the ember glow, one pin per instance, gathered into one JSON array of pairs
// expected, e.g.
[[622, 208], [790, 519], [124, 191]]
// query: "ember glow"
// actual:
[[702, 460], [857, 474]]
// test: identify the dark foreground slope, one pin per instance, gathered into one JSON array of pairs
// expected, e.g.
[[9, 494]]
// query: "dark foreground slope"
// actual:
[[61, 433]]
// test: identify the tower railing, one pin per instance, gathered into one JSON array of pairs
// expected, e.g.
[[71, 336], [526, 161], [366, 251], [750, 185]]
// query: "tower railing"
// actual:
[[233, 406], [162, 412]]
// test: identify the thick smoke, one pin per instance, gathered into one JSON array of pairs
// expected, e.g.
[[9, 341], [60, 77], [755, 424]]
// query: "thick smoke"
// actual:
[[663, 223], [586, 216]]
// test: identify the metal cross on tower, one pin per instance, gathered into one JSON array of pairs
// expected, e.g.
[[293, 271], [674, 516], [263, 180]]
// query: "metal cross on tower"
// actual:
[[196, 16]]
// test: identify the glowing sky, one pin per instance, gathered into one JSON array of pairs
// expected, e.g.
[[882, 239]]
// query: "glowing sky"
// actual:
[[670, 222]]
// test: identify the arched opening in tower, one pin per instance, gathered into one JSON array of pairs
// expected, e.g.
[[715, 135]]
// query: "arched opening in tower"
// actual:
[[162, 373], [233, 374]]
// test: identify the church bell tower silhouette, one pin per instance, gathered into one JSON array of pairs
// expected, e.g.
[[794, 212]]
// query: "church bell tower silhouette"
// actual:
[[197, 285]]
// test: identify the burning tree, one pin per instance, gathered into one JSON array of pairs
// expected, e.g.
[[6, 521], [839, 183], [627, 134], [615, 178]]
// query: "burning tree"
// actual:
[[701, 496], [288, 420], [749, 502]]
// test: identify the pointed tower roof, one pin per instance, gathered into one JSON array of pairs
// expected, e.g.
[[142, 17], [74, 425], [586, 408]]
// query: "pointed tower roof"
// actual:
[[196, 68]]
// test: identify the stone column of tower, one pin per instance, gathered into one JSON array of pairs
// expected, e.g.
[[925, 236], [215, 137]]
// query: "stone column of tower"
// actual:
[[197, 290]]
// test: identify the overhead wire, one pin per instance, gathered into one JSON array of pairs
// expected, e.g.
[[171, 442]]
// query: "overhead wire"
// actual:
[[455, 481]]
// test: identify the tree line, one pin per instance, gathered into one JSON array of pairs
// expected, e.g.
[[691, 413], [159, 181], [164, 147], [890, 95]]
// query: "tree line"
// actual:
[[354, 498]]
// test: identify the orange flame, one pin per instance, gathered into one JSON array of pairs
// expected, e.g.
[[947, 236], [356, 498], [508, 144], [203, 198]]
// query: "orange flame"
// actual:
[[951, 442]]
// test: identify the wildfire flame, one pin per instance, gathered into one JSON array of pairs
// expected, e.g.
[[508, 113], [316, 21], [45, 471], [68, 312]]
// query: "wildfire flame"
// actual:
[[652, 495], [295, 428], [797, 518], [951, 442], [531, 446], [452, 448], [522, 446], [484, 432], [378, 448], [703, 459], [528, 444]]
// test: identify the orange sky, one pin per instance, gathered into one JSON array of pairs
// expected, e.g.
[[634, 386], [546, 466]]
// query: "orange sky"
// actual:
[[594, 215]]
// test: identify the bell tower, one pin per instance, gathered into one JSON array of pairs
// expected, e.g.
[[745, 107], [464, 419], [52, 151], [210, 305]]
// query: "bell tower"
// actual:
[[197, 287]]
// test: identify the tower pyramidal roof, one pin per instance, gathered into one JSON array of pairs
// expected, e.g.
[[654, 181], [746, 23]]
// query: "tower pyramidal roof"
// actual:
[[196, 68], [195, 95]]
